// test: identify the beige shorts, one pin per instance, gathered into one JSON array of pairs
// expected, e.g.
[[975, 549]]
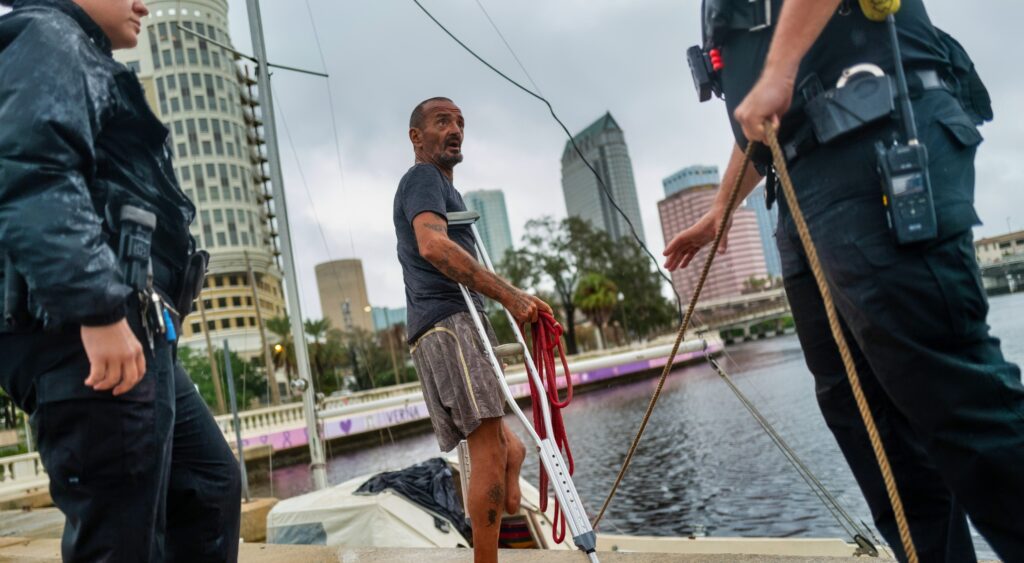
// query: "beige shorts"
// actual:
[[458, 381]]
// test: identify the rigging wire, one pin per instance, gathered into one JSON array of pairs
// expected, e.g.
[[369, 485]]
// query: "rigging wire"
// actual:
[[316, 218], [572, 141], [697, 315], [817, 487], [334, 120]]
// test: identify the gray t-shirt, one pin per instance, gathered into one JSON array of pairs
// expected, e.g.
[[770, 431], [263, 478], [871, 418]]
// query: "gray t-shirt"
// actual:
[[430, 295]]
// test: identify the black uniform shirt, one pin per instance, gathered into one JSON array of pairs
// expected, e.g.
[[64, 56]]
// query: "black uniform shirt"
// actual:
[[849, 38], [78, 140]]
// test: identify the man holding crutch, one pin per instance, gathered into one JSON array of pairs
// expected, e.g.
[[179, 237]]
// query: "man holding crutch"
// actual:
[[463, 397]]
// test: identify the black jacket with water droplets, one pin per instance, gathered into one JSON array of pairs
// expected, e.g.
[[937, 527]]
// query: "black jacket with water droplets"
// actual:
[[77, 140]]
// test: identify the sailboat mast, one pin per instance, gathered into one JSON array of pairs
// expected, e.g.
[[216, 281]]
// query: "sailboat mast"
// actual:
[[316, 450]]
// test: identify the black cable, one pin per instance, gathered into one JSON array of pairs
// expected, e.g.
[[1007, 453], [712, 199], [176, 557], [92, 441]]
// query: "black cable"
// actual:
[[604, 187]]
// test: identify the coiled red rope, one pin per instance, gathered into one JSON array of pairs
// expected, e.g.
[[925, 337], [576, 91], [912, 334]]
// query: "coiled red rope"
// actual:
[[547, 337]]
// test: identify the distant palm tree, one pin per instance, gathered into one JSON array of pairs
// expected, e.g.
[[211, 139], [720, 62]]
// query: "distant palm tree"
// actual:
[[597, 296], [317, 329]]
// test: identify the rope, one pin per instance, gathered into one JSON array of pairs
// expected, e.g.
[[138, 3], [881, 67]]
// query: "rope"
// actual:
[[733, 193], [840, 338], [547, 337]]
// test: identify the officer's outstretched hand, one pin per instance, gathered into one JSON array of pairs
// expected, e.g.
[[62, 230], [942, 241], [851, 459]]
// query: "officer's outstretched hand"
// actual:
[[116, 359], [681, 250], [769, 100]]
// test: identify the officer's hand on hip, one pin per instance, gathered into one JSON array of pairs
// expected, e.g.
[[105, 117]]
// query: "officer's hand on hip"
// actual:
[[767, 101], [116, 358], [681, 249]]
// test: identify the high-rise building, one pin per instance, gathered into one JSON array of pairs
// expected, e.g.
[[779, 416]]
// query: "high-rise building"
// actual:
[[767, 222], [493, 224], [604, 146], [206, 99], [387, 317], [343, 297], [697, 175], [732, 272]]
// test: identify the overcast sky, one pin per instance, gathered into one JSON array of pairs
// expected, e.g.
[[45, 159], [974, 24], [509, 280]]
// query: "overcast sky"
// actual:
[[588, 57]]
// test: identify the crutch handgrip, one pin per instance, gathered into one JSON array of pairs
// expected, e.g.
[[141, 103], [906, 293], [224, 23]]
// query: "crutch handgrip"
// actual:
[[462, 218], [506, 351]]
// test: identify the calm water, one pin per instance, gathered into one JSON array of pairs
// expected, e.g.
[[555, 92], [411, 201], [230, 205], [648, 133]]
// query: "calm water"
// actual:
[[704, 463]]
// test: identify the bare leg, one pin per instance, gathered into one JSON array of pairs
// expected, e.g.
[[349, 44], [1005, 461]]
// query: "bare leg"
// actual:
[[516, 455], [488, 454]]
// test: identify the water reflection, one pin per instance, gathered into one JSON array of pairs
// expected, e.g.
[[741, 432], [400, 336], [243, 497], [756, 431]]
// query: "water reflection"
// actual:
[[704, 463]]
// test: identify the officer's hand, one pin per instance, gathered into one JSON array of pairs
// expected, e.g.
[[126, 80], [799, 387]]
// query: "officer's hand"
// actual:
[[116, 359], [767, 101], [681, 250]]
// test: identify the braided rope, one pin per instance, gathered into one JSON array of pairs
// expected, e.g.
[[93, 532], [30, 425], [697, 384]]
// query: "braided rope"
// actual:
[[840, 338]]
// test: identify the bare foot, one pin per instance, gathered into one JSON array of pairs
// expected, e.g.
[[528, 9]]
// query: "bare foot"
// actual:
[[516, 455]]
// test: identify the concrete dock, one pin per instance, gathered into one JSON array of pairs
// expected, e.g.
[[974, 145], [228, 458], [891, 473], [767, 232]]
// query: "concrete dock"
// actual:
[[24, 549]]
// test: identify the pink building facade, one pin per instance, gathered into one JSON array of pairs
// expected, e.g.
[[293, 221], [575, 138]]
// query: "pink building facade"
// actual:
[[731, 271]]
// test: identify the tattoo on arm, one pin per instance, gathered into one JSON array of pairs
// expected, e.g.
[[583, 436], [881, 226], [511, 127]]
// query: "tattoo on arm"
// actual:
[[458, 265], [453, 261]]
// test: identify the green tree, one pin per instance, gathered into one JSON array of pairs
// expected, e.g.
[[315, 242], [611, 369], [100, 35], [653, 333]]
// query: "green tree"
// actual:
[[317, 330], [754, 284], [643, 310], [249, 383], [597, 296], [555, 252], [368, 359]]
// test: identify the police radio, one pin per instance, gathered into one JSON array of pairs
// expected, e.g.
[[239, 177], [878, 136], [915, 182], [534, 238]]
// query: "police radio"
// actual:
[[903, 168]]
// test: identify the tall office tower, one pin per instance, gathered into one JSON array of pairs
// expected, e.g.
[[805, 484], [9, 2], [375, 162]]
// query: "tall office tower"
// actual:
[[387, 317], [767, 222], [493, 225], [206, 99], [731, 273], [343, 297], [604, 146], [696, 175]]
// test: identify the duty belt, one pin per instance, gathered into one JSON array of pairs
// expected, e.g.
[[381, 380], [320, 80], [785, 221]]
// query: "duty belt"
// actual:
[[803, 140]]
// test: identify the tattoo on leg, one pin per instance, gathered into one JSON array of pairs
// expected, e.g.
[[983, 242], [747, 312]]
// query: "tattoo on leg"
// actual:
[[496, 495], [492, 517]]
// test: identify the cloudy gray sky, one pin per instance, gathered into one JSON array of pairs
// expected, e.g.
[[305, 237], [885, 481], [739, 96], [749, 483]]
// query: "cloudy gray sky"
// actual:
[[588, 57]]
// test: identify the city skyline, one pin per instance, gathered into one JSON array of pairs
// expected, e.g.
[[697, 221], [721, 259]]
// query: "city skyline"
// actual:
[[511, 137]]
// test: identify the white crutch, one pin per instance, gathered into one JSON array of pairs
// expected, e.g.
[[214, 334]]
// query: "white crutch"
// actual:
[[551, 458]]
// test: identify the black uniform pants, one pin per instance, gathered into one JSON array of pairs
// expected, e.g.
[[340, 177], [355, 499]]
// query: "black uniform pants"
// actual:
[[949, 407], [146, 476]]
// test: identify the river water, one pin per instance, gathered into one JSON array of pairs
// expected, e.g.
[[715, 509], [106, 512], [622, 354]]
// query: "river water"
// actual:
[[704, 465]]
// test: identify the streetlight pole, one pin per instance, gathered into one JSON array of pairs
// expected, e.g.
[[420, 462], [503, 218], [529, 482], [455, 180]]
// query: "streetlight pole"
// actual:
[[316, 450]]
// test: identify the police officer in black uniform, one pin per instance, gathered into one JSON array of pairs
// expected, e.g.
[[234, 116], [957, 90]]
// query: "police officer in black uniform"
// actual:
[[98, 267], [949, 407]]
